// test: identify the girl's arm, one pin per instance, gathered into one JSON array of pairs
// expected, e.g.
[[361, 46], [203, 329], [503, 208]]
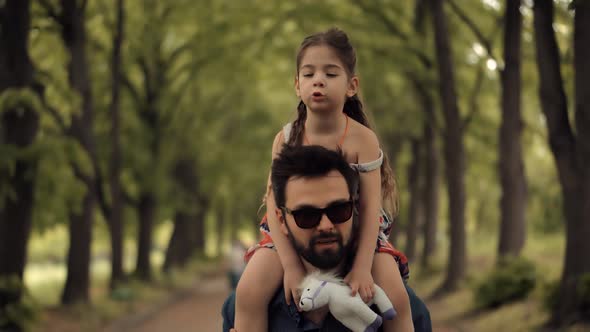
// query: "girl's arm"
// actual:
[[292, 266], [360, 277]]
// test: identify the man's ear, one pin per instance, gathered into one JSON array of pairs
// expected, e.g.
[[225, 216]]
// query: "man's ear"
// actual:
[[282, 220], [353, 86]]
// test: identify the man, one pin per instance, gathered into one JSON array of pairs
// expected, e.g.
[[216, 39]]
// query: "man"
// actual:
[[314, 189]]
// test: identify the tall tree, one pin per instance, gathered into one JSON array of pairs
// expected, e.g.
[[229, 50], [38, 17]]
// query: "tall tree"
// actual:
[[114, 219], [510, 164], [454, 150], [571, 151], [19, 123], [188, 236], [71, 21], [431, 174], [511, 167], [415, 213]]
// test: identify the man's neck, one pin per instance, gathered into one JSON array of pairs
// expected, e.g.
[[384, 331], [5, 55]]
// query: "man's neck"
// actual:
[[310, 268]]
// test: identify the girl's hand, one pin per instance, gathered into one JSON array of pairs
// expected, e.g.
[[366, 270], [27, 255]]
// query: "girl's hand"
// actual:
[[361, 281], [291, 281]]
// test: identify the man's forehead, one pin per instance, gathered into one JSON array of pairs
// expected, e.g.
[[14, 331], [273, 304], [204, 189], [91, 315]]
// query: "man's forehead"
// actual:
[[331, 174], [316, 190]]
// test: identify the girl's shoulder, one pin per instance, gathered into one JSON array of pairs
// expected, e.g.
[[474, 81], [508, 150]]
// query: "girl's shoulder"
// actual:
[[362, 143], [361, 134]]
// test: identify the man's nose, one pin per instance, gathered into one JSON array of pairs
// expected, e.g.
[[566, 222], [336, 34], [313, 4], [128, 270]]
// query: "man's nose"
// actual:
[[325, 223]]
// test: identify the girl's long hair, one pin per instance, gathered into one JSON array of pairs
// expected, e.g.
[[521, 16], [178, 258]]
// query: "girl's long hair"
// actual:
[[353, 107]]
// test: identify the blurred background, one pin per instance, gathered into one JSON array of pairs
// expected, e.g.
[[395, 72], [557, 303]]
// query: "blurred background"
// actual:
[[135, 141]]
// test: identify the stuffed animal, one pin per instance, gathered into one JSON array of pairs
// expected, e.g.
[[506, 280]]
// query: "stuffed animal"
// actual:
[[320, 289]]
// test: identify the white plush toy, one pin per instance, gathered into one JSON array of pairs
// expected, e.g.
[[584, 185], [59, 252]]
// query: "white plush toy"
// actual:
[[319, 289]]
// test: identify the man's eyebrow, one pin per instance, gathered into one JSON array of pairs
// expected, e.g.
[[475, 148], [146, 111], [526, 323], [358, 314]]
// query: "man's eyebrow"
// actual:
[[337, 201]]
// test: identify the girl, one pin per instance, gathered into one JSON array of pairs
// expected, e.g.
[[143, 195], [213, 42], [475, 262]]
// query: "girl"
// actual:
[[329, 114]]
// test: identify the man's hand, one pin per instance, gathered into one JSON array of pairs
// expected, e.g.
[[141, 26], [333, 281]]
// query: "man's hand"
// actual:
[[291, 281], [362, 282]]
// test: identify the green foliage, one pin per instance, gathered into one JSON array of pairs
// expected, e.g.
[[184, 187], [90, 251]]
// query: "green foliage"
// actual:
[[23, 313], [549, 294], [123, 293], [58, 193], [19, 100], [584, 292], [512, 279]]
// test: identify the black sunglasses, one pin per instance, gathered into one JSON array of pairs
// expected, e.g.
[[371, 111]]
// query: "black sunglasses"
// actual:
[[310, 217]]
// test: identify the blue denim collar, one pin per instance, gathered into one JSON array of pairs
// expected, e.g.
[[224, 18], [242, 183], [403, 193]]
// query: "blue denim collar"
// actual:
[[301, 322]]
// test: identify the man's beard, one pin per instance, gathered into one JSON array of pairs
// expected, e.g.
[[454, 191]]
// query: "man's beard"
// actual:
[[325, 259]]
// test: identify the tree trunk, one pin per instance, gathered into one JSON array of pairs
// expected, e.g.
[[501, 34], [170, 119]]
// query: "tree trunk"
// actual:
[[577, 266], [146, 210], [18, 128], [572, 156], [394, 146], [199, 231], [221, 221], [115, 219], [179, 245], [415, 207], [431, 181], [454, 150], [511, 167], [187, 239], [77, 284], [188, 235], [73, 33]]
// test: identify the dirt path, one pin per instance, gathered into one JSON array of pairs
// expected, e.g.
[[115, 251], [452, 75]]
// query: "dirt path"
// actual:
[[198, 309]]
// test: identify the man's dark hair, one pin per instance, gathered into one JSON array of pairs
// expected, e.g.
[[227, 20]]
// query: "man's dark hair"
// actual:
[[309, 161]]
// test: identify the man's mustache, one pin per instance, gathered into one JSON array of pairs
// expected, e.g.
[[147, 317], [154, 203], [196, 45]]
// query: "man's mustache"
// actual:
[[326, 236]]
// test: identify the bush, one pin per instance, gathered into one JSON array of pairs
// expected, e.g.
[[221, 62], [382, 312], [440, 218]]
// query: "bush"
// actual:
[[21, 314], [551, 294], [512, 279], [584, 291]]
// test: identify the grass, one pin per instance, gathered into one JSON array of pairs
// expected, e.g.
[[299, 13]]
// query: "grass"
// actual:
[[45, 276], [455, 312], [132, 297]]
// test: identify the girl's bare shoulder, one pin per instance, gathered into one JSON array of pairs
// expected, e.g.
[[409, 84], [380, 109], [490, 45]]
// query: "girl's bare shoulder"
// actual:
[[362, 142], [361, 134]]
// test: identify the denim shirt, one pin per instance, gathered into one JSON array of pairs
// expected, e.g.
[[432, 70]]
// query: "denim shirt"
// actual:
[[283, 317]]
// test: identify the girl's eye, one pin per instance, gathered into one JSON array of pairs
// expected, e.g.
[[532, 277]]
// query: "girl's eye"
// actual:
[[331, 75], [307, 75]]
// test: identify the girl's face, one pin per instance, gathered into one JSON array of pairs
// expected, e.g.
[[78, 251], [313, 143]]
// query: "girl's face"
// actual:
[[322, 82]]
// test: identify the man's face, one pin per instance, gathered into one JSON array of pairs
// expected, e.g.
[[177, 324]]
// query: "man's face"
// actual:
[[325, 245]]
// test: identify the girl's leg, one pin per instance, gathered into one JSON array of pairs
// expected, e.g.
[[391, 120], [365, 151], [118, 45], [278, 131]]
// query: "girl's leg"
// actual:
[[259, 282], [386, 274]]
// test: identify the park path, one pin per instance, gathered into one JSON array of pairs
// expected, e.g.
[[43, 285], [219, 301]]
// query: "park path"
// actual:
[[195, 310]]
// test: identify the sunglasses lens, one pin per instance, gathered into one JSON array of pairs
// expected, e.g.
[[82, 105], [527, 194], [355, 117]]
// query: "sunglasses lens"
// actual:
[[339, 213], [311, 217], [307, 218]]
